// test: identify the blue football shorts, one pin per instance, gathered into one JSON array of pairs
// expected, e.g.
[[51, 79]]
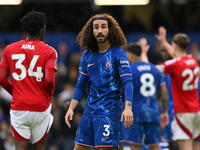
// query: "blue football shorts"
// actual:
[[98, 131], [142, 133]]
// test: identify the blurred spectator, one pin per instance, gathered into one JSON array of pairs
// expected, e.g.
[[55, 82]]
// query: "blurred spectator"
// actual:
[[63, 58], [73, 74], [195, 51]]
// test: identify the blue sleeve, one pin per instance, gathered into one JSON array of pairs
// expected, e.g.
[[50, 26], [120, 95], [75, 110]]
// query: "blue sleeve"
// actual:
[[123, 66], [161, 77], [128, 91], [82, 82]]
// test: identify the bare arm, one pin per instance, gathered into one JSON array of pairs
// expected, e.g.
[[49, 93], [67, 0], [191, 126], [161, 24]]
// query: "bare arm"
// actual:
[[4, 82], [164, 103], [164, 97], [161, 37], [50, 80], [70, 112], [127, 114], [145, 48]]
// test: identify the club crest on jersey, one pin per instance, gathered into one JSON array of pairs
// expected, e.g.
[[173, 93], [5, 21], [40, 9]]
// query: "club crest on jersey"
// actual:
[[108, 65], [28, 46]]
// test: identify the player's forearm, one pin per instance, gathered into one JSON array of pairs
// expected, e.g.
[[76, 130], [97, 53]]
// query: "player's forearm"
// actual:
[[169, 48], [50, 80], [164, 97], [144, 57], [128, 91], [128, 105], [73, 104], [4, 82]]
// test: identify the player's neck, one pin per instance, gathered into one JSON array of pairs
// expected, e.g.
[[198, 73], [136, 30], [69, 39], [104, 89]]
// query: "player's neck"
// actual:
[[180, 54], [136, 59], [103, 47], [31, 37]]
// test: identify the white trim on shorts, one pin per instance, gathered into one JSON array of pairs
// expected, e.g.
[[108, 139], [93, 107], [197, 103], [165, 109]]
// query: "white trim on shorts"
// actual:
[[186, 126], [31, 125]]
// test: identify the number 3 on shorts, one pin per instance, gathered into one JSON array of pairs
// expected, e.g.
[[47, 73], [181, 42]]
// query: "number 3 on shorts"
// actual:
[[107, 131]]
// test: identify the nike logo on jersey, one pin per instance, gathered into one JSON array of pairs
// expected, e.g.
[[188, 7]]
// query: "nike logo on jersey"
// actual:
[[91, 64], [104, 138]]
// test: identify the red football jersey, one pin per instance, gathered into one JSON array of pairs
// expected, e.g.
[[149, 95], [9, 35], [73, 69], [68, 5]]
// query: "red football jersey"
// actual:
[[26, 61], [184, 72]]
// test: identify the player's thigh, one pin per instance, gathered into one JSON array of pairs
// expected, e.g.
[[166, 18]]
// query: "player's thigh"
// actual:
[[110, 148], [134, 134], [186, 126], [40, 145], [84, 133], [41, 125], [135, 147], [185, 144], [106, 131], [21, 145], [81, 147], [20, 125], [154, 147], [152, 133]]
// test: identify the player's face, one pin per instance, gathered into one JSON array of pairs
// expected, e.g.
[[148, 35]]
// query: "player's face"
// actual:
[[100, 30]]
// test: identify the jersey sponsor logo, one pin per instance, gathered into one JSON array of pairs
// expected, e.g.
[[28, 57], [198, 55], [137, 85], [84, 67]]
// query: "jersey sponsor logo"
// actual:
[[28, 46], [124, 63], [90, 64], [108, 65]]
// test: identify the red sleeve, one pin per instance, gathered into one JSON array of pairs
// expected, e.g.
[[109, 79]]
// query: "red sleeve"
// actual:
[[49, 80], [4, 82], [52, 61], [50, 69]]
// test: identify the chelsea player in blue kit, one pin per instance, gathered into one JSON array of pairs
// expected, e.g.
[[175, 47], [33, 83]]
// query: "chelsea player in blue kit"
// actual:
[[147, 81], [105, 67]]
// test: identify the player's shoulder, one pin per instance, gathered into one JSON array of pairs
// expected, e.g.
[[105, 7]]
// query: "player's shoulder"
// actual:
[[47, 48], [172, 61], [14, 44], [117, 49]]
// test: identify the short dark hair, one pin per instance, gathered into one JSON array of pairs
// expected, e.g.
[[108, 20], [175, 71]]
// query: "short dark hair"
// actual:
[[182, 40], [134, 49], [33, 22]]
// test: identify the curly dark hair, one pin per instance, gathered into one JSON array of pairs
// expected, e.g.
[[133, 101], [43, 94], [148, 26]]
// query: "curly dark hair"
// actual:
[[33, 22], [87, 40]]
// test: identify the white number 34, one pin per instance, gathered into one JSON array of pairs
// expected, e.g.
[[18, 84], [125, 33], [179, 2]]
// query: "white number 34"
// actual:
[[20, 58]]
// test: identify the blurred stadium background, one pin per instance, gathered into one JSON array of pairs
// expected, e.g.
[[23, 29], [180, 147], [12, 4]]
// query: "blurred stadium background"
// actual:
[[65, 19]]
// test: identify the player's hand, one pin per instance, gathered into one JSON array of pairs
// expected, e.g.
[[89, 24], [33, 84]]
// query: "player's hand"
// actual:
[[164, 119], [161, 37], [51, 98], [144, 46], [69, 117], [127, 115]]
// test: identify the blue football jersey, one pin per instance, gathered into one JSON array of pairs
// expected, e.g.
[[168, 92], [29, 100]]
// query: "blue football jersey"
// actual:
[[106, 73], [146, 81]]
